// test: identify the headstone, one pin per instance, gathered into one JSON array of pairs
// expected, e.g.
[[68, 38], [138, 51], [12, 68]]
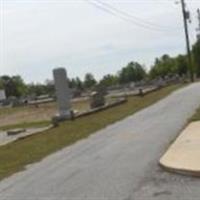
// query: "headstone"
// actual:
[[161, 83], [62, 93], [97, 99], [16, 131], [141, 93], [2, 95], [132, 85]]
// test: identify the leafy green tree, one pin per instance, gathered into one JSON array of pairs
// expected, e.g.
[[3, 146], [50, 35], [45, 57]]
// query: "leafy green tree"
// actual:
[[79, 83], [77, 86], [196, 56], [132, 72], [40, 89], [76, 83], [1, 84], [13, 86], [109, 80], [34, 89], [89, 81], [49, 87], [21, 88], [72, 83], [181, 65], [163, 66]]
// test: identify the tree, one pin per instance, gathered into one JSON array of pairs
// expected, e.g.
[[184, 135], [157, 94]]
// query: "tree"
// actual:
[[1, 84], [41, 89], [72, 83], [181, 65], [36, 89], [79, 83], [131, 73], [76, 83], [21, 88], [89, 81], [13, 86], [109, 80], [163, 66], [196, 56], [50, 88]]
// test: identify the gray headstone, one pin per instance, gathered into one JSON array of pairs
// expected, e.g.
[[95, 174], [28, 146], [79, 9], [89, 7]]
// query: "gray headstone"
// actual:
[[62, 92], [97, 99]]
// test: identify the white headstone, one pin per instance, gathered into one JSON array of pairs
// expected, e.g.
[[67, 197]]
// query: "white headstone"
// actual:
[[2, 95], [62, 92]]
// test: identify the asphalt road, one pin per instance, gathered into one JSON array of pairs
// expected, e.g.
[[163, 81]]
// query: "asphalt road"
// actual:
[[119, 162]]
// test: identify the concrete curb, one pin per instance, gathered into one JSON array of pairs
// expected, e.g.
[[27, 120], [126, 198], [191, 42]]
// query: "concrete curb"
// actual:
[[183, 156], [179, 171]]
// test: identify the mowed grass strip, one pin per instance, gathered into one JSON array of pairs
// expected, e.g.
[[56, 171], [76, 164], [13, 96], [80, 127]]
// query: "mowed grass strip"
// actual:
[[32, 116], [25, 125], [15, 156], [196, 116]]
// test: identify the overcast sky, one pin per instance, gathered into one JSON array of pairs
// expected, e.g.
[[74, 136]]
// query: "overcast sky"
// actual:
[[87, 35]]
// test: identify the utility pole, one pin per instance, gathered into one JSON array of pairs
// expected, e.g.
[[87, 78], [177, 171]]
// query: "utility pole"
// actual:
[[198, 29], [186, 17]]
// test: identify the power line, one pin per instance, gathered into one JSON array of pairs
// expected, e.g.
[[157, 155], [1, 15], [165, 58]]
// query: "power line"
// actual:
[[123, 17], [145, 22]]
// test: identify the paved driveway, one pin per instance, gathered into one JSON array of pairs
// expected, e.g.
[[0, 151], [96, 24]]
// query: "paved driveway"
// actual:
[[119, 162]]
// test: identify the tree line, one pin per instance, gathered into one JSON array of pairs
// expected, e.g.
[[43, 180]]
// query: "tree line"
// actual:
[[167, 65], [132, 72]]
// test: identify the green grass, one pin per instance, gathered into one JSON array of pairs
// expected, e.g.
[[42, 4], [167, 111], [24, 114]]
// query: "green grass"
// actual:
[[15, 156], [15, 115], [196, 116], [36, 124], [11, 110]]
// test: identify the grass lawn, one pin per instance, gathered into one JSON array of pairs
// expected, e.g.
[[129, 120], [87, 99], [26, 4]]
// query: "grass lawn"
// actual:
[[196, 116], [15, 156], [36, 124], [31, 116], [80, 105], [34, 120]]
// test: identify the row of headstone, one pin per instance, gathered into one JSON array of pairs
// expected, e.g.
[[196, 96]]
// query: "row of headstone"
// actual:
[[63, 95]]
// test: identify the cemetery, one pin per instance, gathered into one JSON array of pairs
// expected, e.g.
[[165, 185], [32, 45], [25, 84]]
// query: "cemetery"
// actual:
[[36, 125], [34, 147], [45, 114], [38, 111], [100, 100]]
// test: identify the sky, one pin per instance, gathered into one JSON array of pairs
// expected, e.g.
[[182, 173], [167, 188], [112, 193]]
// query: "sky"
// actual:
[[96, 36]]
